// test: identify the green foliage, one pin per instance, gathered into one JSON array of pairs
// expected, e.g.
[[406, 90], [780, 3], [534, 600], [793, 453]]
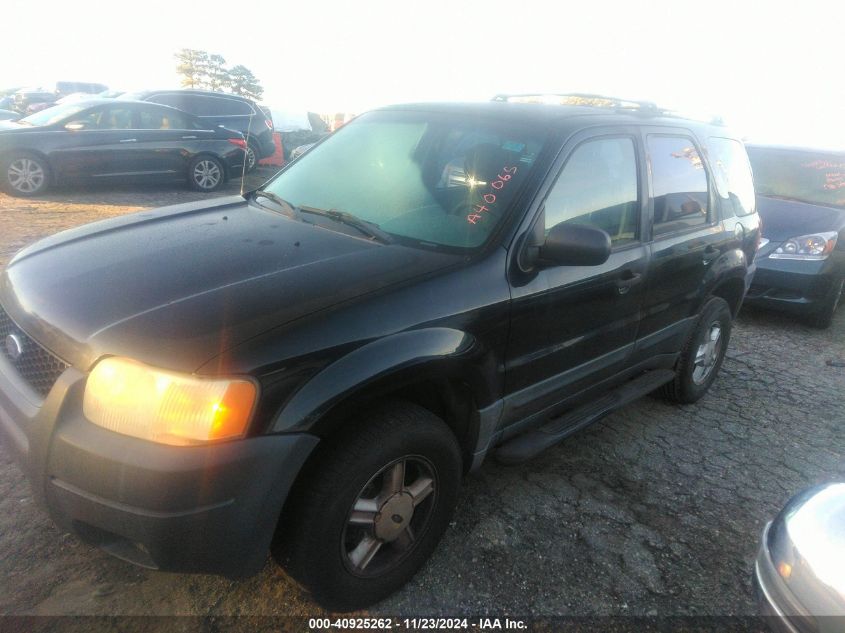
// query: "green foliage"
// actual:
[[191, 64], [199, 69], [216, 72], [243, 82]]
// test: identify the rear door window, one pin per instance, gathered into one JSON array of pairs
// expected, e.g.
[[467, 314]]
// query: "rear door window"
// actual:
[[732, 173], [598, 186], [162, 119], [679, 184]]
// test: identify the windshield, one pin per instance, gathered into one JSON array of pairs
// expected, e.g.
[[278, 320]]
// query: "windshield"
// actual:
[[816, 178], [55, 114], [431, 178]]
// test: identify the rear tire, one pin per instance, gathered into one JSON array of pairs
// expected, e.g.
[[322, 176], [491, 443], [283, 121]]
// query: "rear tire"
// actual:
[[251, 157], [206, 173], [24, 174], [702, 355], [371, 508], [824, 317]]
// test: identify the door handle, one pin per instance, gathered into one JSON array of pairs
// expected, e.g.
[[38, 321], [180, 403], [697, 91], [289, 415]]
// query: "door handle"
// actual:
[[128, 140], [186, 137], [624, 284], [711, 253]]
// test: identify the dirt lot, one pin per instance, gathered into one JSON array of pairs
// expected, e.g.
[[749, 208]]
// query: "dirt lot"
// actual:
[[655, 510]]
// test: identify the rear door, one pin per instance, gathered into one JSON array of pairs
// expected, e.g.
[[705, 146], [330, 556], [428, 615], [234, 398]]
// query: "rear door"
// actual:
[[167, 139], [686, 238], [574, 325]]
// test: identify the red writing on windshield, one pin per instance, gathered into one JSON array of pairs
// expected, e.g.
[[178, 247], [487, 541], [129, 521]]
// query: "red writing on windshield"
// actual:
[[490, 198]]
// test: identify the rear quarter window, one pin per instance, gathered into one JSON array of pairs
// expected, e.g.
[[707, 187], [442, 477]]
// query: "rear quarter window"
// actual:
[[679, 184], [218, 106], [732, 173]]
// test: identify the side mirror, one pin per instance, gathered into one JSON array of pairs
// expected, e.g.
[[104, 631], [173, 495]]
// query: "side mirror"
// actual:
[[75, 126], [575, 245]]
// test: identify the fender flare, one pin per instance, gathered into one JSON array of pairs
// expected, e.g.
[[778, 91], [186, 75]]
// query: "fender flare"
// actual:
[[730, 265], [437, 351]]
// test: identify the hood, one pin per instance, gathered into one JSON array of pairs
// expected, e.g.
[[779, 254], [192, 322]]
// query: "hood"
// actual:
[[11, 126], [177, 286], [783, 219]]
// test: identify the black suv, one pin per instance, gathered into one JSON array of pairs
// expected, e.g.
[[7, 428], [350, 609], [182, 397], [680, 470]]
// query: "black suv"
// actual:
[[324, 359], [219, 108]]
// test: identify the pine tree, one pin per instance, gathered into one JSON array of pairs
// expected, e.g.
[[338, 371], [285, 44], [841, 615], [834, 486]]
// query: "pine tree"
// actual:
[[192, 65], [243, 82], [218, 74]]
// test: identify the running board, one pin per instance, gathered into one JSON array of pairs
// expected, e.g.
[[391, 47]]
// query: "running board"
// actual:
[[531, 443]]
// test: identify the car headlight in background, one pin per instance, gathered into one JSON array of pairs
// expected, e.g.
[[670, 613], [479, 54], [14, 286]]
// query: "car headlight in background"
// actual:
[[128, 397], [813, 247]]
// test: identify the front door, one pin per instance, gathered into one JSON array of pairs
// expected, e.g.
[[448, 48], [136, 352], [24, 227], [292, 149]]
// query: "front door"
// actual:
[[103, 148], [574, 325]]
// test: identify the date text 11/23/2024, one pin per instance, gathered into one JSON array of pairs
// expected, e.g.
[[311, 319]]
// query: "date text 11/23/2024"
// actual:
[[430, 624]]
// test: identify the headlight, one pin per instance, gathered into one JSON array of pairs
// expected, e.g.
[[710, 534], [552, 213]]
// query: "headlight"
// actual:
[[815, 247], [128, 397]]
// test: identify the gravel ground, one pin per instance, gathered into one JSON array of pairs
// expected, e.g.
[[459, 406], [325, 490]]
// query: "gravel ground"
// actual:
[[656, 510]]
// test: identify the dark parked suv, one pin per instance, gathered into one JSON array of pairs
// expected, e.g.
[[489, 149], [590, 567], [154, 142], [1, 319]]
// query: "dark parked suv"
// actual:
[[323, 359], [219, 108]]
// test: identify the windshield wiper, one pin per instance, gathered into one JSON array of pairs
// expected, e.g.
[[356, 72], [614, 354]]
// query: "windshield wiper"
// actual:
[[370, 229], [292, 210]]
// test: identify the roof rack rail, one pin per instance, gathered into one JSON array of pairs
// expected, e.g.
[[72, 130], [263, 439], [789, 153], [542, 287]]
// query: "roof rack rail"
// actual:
[[585, 99]]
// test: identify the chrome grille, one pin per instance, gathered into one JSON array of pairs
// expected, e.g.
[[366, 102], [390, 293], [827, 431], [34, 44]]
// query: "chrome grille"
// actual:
[[38, 367]]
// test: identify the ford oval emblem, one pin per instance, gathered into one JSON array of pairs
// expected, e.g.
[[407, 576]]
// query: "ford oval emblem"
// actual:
[[14, 347]]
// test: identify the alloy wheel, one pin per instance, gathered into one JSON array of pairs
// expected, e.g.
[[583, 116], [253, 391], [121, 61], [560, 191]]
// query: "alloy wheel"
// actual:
[[26, 175], [707, 354], [207, 174], [389, 516]]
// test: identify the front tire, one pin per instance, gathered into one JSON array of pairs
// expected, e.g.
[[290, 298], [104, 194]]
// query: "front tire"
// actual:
[[702, 355], [25, 175], [206, 173], [372, 507]]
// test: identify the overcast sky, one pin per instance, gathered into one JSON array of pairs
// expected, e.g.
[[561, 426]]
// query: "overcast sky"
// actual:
[[771, 69]]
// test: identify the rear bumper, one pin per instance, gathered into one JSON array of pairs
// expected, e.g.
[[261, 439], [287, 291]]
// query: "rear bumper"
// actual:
[[210, 509], [796, 287]]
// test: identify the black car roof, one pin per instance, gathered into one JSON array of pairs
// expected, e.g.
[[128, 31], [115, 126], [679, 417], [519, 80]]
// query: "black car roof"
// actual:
[[194, 91], [551, 114]]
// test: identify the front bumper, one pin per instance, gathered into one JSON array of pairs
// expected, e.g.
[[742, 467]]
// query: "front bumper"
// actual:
[[794, 286], [210, 509]]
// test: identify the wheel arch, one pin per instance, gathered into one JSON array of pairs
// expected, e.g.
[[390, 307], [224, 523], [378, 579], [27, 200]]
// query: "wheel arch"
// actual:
[[726, 279], [731, 290], [443, 370]]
